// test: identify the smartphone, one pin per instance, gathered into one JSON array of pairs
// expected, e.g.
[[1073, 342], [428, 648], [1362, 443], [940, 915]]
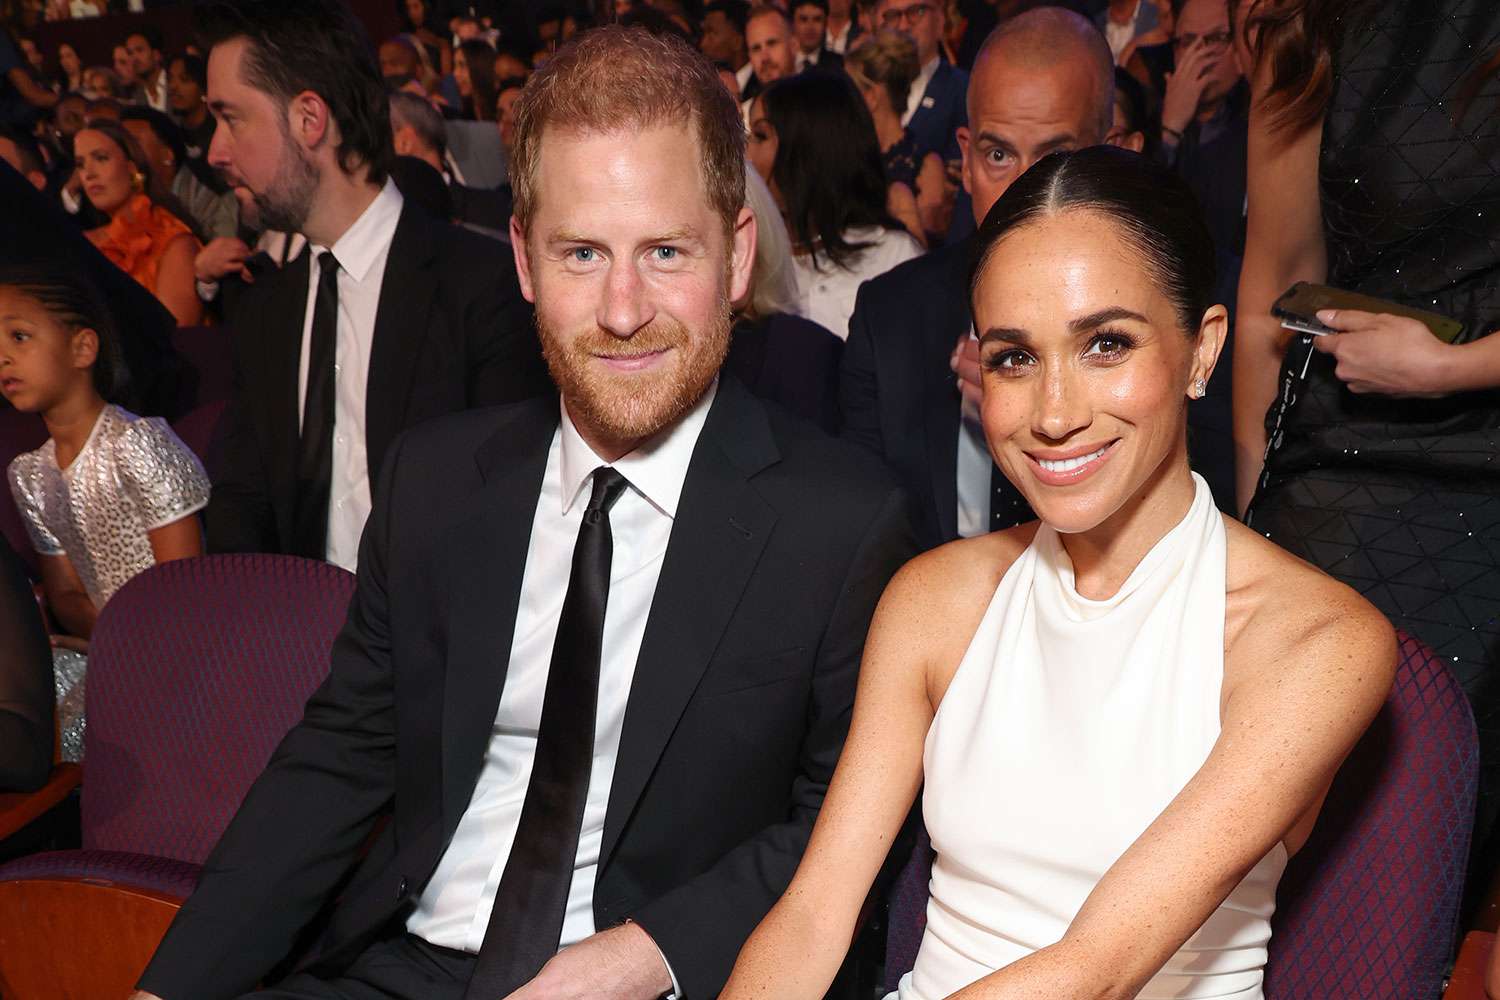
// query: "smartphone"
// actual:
[[1298, 310]]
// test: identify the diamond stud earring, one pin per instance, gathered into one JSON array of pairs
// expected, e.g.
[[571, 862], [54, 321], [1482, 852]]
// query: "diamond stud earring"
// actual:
[[1200, 388]]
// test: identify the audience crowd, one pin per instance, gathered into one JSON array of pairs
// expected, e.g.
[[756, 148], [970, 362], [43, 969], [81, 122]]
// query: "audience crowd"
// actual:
[[842, 232]]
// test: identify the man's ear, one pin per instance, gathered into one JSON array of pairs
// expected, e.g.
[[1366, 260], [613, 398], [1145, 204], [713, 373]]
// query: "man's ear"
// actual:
[[309, 120], [742, 254], [963, 135], [523, 259]]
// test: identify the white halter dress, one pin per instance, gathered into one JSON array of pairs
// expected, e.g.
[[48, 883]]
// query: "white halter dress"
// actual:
[[1067, 729]]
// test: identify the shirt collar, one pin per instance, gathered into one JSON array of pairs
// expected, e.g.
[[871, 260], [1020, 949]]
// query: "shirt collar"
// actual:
[[743, 73], [656, 470], [370, 236]]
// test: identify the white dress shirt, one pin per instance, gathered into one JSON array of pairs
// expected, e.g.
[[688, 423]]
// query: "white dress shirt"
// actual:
[[155, 92], [1119, 36], [919, 89], [361, 253], [743, 75], [454, 908], [839, 42], [973, 471]]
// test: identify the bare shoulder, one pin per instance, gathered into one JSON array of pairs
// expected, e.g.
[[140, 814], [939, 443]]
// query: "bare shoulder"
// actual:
[[1284, 616], [935, 603]]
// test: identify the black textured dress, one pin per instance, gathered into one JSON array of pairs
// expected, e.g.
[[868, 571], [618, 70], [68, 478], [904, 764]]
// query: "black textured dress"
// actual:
[[1400, 498]]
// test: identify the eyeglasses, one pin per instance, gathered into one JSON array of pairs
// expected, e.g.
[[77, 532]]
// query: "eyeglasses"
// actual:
[[913, 15], [1212, 40]]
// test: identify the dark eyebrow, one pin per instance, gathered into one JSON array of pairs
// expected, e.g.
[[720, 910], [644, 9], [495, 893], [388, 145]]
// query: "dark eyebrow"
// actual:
[[1012, 334], [995, 140], [1097, 319], [1061, 139]]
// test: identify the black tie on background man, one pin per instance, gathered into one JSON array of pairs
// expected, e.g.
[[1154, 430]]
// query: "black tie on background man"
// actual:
[[909, 383], [418, 319], [603, 650]]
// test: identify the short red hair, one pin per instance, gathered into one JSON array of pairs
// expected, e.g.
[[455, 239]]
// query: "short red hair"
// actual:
[[617, 79]]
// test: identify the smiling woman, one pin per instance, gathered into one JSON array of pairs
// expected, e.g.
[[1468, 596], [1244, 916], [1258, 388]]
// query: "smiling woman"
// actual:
[[1128, 722]]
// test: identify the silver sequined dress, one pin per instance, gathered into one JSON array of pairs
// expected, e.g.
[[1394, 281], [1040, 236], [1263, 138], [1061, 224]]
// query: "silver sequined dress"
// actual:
[[132, 476]]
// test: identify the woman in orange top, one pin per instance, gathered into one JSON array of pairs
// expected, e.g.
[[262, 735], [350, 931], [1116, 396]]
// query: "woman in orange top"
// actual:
[[142, 238]]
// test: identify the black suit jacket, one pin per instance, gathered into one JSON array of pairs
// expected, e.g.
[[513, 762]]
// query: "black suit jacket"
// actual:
[[783, 542], [792, 361], [451, 332], [897, 395]]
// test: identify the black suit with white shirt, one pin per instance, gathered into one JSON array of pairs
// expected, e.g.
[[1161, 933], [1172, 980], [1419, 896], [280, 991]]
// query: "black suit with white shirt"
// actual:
[[782, 542], [451, 332]]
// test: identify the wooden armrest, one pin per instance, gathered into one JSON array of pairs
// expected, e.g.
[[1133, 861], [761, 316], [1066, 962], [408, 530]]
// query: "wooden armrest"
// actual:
[[50, 922], [19, 809], [1467, 981]]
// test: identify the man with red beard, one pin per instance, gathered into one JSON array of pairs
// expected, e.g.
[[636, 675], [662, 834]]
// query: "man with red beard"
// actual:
[[602, 655]]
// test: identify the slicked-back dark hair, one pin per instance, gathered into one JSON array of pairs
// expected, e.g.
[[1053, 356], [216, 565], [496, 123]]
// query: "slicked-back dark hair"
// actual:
[[71, 299], [828, 166], [1154, 210], [312, 45]]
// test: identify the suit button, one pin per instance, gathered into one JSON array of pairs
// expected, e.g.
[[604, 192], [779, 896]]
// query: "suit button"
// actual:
[[401, 889]]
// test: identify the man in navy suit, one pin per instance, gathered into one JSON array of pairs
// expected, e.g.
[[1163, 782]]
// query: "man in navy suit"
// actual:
[[1043, 82], [935, 108]]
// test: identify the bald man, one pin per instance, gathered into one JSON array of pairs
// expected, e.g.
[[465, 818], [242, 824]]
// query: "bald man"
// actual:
[[1043, 82]]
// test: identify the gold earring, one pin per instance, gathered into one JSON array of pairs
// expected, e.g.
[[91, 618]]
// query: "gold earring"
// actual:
[[138, 179]]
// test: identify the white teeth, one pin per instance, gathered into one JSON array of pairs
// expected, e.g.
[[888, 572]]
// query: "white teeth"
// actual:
[[1069, 464]]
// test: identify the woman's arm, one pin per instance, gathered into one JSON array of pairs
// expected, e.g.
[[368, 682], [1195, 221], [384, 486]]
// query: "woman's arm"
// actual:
[[902, 205], [796, 951], [174, 281], [179, 540], [33, 94], [1306, 691], [1283, 245], [67, 598], [934, 197]]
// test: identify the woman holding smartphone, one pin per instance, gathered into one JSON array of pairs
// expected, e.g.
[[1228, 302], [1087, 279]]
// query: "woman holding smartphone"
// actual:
[[1374, 153]]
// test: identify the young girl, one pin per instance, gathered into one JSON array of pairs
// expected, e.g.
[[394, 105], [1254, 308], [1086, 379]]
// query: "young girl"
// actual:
[[110, 493]]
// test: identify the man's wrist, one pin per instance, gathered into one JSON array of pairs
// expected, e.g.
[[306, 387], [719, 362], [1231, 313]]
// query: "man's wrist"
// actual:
[[667, 979]]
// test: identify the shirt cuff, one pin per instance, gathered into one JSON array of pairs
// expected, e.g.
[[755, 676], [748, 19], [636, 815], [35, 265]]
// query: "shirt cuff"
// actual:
[[676, 993], [207, 290]]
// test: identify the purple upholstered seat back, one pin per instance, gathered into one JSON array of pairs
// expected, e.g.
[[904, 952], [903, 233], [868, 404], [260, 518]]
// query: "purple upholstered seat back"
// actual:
[[197, 669], [1368, 907]]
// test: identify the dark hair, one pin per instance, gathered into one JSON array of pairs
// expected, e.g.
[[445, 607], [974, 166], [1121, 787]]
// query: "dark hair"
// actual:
[[481, 59], [736, 12], [411, 25], [27, 149], [71, 298], [316, 45], [150, 32], [518, 51], [1296, 39], [828, 166], [820, 4], [1140, 115], [654, 20], [194, 66], [1155, 211], [424, 119], [167, 131]]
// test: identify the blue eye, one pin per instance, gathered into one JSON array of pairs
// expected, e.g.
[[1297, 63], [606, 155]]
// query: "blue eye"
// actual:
[[583, 255], [665, 253]]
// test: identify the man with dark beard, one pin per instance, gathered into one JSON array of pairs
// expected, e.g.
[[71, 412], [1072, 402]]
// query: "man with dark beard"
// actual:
[[603, 651], [391, 318]]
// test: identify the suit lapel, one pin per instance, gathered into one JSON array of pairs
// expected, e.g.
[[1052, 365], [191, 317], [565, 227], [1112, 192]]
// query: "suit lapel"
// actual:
[[722, 526], [401, 325], [942, 406], [487, 553]]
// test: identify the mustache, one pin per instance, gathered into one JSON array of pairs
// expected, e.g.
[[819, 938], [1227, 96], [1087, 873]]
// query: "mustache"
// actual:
[[658, 335]]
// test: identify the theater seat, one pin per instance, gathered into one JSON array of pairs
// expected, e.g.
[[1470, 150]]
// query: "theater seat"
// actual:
[[1369, 907], [197, 668]]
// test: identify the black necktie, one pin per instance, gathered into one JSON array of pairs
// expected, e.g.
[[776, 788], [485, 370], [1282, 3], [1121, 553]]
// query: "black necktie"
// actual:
[[315, 450], [532, 899]]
